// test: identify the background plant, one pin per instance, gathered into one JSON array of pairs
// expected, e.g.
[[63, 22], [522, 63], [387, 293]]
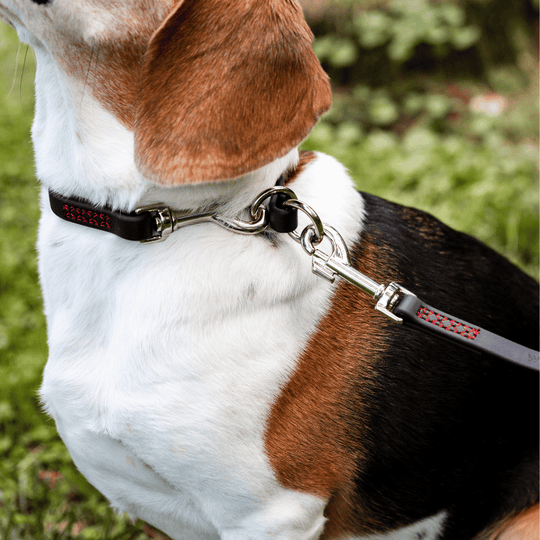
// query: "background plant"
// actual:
[[436, 106]]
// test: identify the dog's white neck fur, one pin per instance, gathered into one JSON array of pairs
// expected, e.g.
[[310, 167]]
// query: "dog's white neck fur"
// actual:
[[81, 149]]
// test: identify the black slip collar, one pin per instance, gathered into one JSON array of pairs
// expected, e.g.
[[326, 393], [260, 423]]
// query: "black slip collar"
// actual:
[[156, 222], [130, 226]]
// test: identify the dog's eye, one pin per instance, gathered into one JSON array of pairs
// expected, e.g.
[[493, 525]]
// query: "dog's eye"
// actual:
[[41, 1]]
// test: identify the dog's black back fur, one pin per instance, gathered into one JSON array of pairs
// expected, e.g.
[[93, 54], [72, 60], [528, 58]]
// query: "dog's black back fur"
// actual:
[[449, 429]]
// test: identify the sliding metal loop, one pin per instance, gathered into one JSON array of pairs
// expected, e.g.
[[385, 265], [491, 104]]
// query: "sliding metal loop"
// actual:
[[256, 226], [266, 194], [317, 225]]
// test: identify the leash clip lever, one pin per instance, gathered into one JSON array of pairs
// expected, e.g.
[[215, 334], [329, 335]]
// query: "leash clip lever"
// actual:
[[338, 263]]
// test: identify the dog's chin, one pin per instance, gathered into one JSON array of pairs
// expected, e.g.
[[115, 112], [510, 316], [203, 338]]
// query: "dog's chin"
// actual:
[[8, 20], [23, 34]]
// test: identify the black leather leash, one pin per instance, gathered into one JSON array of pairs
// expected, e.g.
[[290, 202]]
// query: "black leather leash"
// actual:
[[434, 321], [155, 223]]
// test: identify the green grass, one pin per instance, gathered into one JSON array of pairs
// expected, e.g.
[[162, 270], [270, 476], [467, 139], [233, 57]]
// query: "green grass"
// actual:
[[480, 180]]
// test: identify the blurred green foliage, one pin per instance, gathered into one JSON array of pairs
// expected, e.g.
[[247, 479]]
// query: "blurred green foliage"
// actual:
[[436, 106], [399, 28], [485, 189], [375, 40], [406, 75]]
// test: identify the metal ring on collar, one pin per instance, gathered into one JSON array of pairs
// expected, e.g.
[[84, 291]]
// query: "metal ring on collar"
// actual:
[[318, 227], [266, 194]]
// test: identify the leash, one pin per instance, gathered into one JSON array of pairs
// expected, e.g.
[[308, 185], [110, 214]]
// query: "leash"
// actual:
[[155, 223]]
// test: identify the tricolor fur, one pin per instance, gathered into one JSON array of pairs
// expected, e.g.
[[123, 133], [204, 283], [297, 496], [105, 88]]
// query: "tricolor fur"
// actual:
[[211, 384]]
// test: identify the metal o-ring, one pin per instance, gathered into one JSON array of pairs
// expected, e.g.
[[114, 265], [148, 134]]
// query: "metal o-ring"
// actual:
[[318, 227], [267, 193]]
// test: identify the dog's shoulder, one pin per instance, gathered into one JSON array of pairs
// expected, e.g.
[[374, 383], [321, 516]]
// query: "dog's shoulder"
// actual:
[[421, 428]]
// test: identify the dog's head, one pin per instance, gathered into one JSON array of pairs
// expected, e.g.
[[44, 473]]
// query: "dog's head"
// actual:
[[212, 89]]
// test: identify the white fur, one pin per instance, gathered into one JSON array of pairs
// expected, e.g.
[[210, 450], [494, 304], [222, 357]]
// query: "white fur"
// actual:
[[427, 529], [165, 360]]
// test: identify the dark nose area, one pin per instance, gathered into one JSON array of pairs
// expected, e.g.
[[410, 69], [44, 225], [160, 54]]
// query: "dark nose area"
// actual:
[[41, 2]]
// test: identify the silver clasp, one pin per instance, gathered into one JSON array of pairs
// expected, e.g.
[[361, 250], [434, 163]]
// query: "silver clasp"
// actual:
[[337, 263], [389, 298], [164, 222], [168, 221]]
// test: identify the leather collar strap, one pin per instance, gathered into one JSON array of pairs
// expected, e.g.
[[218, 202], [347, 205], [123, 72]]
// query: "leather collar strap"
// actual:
[[154, 223], [434, 321], [130, 226]]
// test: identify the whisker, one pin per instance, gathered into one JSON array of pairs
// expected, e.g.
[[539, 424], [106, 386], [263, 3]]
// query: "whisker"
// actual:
[[87, 75], [22, 72], [16, 69], [97, 53]]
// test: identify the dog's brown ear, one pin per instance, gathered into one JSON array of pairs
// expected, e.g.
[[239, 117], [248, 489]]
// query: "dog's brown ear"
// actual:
[[227, 87]]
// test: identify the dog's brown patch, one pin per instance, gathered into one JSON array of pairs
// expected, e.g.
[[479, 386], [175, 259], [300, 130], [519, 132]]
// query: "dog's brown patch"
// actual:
[[110, 65], [227, 87], [524, 526], [315, 429], [211, 89]]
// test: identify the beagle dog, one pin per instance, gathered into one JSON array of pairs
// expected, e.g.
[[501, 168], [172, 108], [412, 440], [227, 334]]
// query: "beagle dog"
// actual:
[[212, 384]]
